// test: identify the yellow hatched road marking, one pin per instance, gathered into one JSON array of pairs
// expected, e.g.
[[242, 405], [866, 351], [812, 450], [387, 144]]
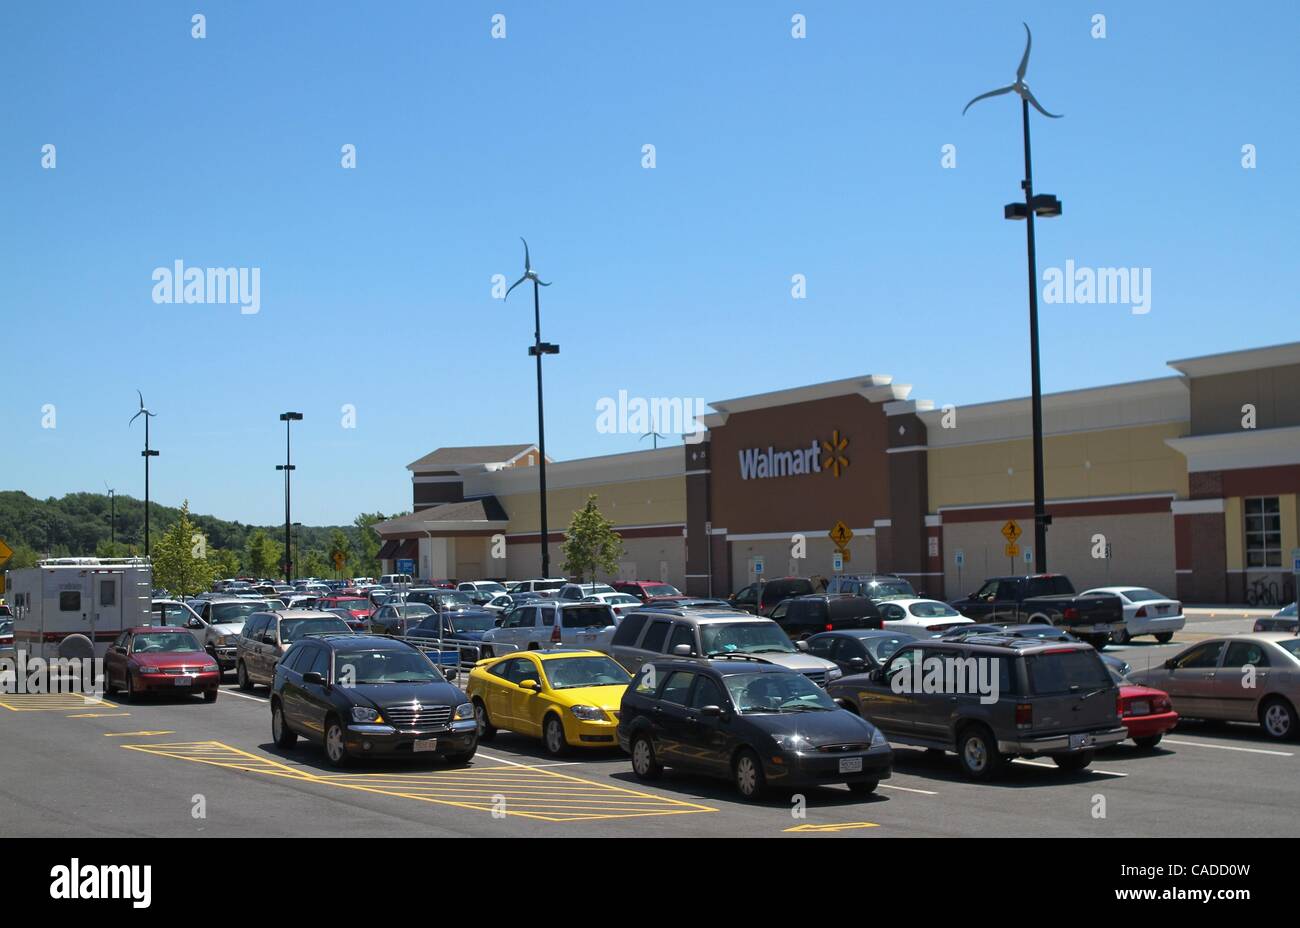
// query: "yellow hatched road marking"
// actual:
[[523, 791], [841, 826], [52, 702]]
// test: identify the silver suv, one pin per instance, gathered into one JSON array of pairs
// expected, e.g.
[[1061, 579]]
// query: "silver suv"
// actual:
[[650, 634]]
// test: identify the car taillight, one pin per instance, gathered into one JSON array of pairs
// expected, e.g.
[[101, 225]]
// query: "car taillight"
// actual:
[[830, 627], [1024, 715], [1071, 613], [1119, 705], [1142, 612], [1259, 626], [555, 630], [1161, 704]]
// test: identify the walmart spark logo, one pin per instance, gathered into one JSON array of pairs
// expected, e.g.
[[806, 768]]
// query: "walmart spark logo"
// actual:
[[834, 458]]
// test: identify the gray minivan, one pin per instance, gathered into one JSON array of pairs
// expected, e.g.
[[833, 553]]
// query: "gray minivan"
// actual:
[[647, 634], [1030, 697]]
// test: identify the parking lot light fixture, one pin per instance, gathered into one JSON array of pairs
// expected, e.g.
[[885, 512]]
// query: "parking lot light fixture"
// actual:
[[1045, 206], [287, 467]]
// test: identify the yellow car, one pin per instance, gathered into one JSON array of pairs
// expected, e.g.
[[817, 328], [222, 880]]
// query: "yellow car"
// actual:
[[566, 698]]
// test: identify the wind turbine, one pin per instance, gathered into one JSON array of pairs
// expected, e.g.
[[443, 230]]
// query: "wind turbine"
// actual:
[[1045, 205], [536, 350], [147, 453], [654, 435]]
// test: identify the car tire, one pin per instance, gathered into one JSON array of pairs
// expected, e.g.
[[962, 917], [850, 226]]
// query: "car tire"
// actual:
[[485, 730], [336, 751], [553, 736], [1277, 716], [1149, 742], [283, 735], [210, 695], [1120, 636], [977, 751], [241, 674], [133, 692], [864, 787], [644, 763], [747, 773], [107, 685], [1073, 762], [1164, 637]]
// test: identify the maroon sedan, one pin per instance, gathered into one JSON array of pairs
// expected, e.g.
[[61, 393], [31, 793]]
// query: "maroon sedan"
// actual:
[[152, 659]]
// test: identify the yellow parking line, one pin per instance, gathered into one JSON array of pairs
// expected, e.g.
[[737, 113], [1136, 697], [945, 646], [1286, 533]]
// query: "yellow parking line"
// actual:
[[129, 734], [840, 826], [51, 702], [517, 790]]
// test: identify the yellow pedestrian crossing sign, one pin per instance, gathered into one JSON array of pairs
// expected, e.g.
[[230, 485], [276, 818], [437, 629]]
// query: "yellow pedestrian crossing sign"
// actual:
[[6, 552], [841, 534], [1012, 550], [1011, 531]]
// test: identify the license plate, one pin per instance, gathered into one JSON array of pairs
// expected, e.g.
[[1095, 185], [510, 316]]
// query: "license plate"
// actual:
[[850, 765], [428, 744], [1140, 708], [1080, 741], [184, 681]]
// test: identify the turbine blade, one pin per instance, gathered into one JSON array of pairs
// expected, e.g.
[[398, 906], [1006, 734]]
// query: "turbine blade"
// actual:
[[985, 96], [513, 285], [1029, 95], [1024, 61], [528, 264], [136, 416], [542, 283], [141, 395]]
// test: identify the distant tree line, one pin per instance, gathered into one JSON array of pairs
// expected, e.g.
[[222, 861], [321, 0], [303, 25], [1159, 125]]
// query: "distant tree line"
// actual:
[[78, 525]]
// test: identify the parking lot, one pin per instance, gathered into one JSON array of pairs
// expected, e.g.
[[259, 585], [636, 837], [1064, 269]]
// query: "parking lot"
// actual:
[[180, 767]]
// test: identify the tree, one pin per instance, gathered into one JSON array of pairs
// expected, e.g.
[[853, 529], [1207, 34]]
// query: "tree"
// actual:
[[313, 563], [225, 563], [340, 551], [180, 558], [368, 557], [591, 544], [262, 555]]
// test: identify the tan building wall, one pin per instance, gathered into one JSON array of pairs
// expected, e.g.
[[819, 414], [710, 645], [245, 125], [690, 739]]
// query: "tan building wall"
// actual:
[[658, 501], [1142, 547], [778, 563], [642, 555], [1106, 462]]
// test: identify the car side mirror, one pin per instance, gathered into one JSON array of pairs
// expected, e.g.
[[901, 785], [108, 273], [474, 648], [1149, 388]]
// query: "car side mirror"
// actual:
[[801, 646], [120, 650], [682, 650], [857, 664], [878, 675], [194, 623], [711, 712], [529, 685], [1171, 664], [312, 676]]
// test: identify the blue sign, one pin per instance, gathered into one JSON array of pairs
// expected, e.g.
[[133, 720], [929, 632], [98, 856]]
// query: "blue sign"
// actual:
[[405, 565], [758, 566]]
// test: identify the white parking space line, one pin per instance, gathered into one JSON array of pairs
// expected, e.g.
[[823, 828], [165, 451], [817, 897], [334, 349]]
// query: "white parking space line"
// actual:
[[1228, 747], [908, 789], [244, 695], [1049, 765]]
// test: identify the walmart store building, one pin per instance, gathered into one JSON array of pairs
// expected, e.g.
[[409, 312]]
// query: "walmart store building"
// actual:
[[1192, 478]]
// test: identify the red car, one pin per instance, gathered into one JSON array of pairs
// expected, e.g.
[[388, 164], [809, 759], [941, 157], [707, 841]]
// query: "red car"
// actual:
[[648, 589], [358, 609], [153, 658], [1147, 713]]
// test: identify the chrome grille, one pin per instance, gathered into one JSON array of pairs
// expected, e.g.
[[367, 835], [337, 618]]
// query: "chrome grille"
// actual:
[[180, 671], [842, 748], [816, 676], [415, 715]]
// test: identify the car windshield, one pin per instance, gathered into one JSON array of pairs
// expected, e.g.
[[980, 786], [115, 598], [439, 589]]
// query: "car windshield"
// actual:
[[1291, 646], [164, 641], [487, 586], [235, 613], [6, 628], [929, 609], [1289, 611], [566, 673], [293, 629], [543, 585], [171, 613], [745, 638], [356, 603], [471, 622], [372, 667], [776, 692], [413, 609], [661, 589], [885, 589], [1141, 595], [881, 646], [621, 599]]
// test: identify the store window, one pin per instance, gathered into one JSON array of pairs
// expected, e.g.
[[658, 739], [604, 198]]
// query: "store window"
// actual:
[[1263, 532]]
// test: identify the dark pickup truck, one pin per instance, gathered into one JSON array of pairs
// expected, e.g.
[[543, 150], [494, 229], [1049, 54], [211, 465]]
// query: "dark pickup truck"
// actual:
[[1046, 598]]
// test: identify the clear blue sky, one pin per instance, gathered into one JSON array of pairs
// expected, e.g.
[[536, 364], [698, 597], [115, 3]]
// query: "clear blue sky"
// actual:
[[775, 157]]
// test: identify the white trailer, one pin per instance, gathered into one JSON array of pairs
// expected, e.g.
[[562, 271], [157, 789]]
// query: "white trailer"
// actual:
[[76, 606]]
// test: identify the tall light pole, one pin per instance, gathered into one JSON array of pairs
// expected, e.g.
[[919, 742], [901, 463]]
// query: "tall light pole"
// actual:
[[536, 350], [1045, 205], [147, 453], [112, 515], [287, 467]]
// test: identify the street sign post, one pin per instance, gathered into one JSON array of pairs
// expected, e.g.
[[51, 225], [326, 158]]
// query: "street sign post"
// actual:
[[1029, 558], [6, 552], [758, 567], [837, 561], [841, 534], [405, 565], [1011, 531], [960, 558]]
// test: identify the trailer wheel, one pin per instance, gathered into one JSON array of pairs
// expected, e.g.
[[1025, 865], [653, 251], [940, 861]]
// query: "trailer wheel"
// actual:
[[77, 646]]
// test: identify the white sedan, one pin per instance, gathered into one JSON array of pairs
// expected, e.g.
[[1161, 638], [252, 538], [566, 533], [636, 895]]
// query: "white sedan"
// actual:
[[1146, 612], [919, 616], [621, 603]]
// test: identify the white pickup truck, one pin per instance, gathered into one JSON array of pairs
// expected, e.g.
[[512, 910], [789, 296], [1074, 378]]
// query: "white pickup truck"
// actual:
[[533, 625]]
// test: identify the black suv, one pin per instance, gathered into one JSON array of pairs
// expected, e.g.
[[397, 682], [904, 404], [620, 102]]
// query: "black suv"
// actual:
[[991, 698], [362, 696], [759, 598], [822, 612], [748, 721]]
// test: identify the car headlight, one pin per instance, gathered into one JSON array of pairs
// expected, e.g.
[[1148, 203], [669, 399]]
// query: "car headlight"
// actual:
[[211, 668], [362, 714], [877, 739], [464, 711], [588, 713], [791, 742]]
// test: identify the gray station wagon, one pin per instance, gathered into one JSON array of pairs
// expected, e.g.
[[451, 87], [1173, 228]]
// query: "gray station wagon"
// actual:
[[991, 698]]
